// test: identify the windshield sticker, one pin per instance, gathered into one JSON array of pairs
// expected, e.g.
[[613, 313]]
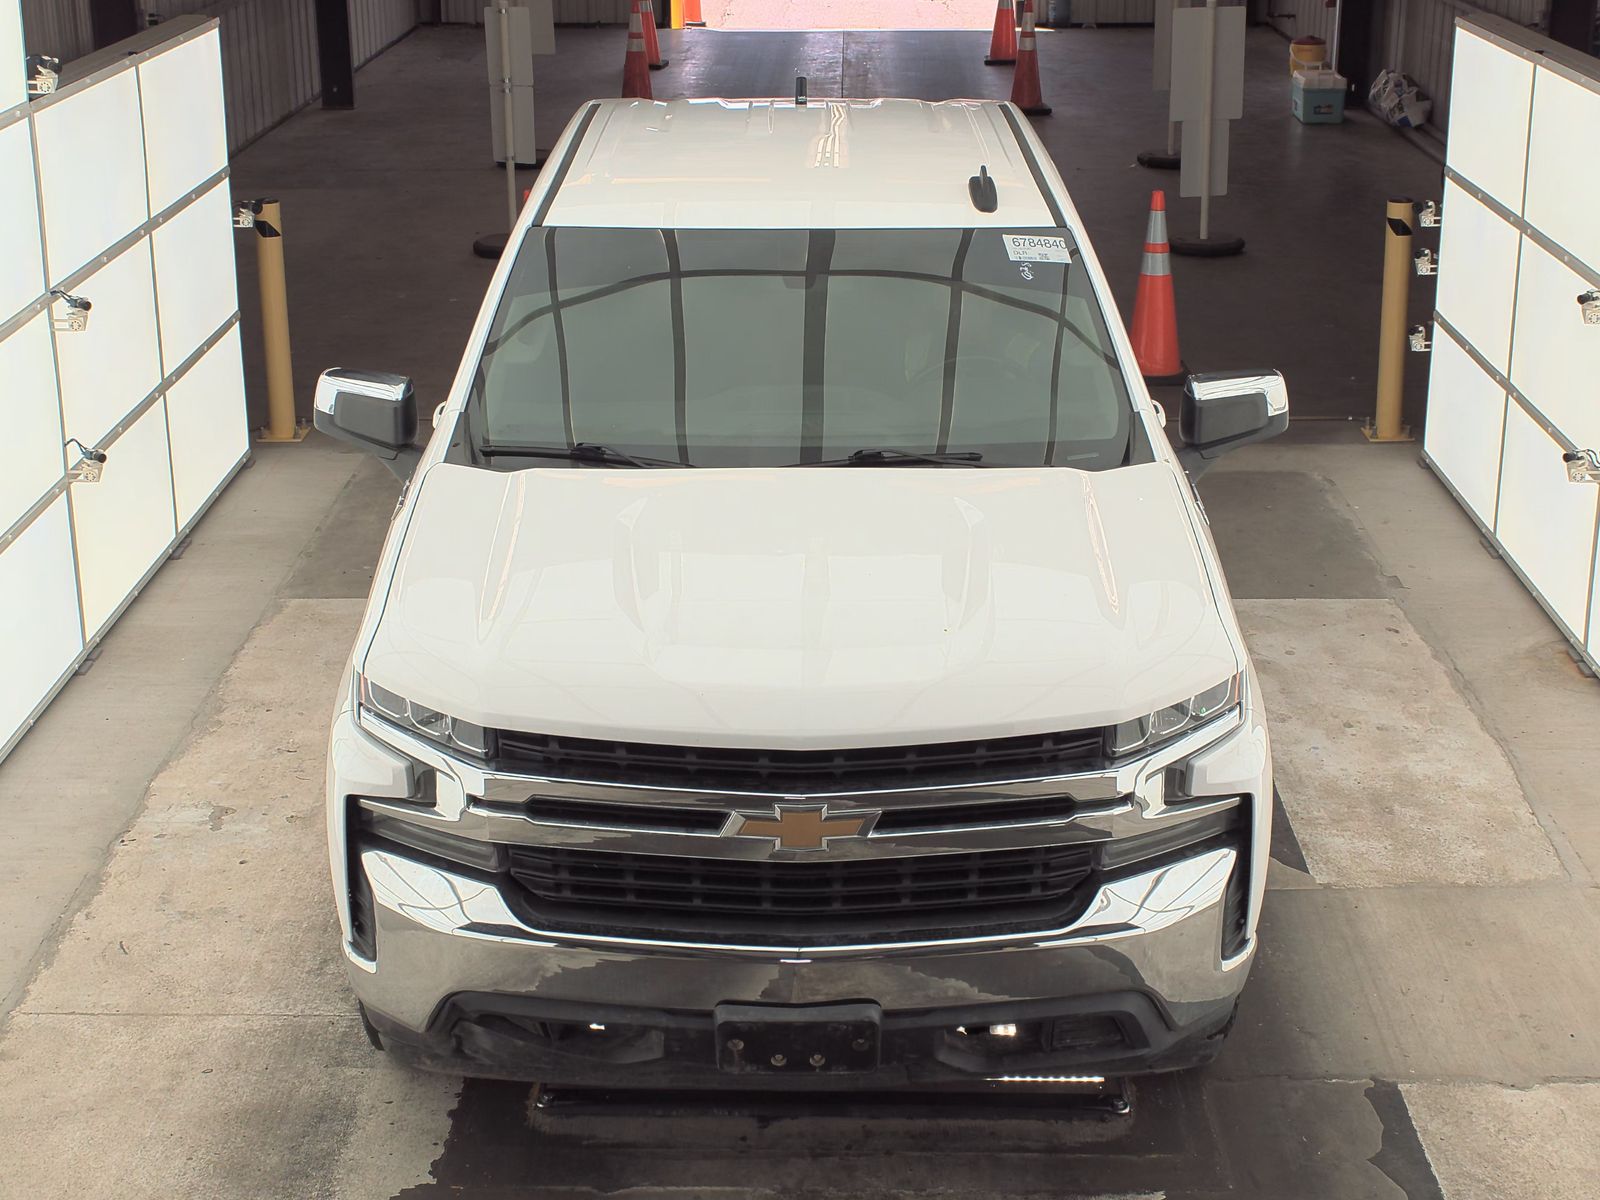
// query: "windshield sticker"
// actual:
[[1032, 248]]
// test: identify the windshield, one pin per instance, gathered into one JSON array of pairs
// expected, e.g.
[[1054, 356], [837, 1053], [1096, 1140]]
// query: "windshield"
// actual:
[[728, 348]]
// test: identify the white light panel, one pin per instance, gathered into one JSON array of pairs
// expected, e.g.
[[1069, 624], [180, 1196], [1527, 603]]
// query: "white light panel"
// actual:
[[1593, 642], [21, 256], [87, 550], [1556, 360], [196, 286], [1546, 524], [31, 460], [1466, 409], [1478, 274], [1564, 165], [39, 633], [186, 140], [108, 368], [13, 84], [124, 522], [91, 172], [1489, 117], [206, 425]]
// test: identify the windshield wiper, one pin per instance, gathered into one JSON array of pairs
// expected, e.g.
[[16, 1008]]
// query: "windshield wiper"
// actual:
[[875, 456], [582, 452]]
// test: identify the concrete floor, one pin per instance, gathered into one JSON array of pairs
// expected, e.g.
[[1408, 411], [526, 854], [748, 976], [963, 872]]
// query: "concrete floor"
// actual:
[[1420, 1023]]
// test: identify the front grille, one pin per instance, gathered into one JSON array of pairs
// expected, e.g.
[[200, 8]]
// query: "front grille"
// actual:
[[673, 818], [655, 818], [799, 771], [926, 817], [945, 890]]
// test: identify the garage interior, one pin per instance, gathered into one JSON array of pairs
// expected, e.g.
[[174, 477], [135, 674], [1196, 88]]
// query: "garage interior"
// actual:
[[1421, 1020]]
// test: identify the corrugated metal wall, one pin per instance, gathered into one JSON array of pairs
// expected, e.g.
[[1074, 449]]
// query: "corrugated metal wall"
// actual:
[[1110, 12], [269, 52], [1301, 18], [1419, 34], [269, 47], [59, 28], [375, 25], [269, 58], [1422, 34], [567, 12]]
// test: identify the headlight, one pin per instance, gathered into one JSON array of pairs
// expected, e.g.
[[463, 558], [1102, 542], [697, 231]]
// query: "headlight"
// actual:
[[448, 731], [1143, 733]]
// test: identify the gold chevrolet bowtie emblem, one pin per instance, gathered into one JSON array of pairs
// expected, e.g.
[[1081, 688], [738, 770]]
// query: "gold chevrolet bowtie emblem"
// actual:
[[802, 828]]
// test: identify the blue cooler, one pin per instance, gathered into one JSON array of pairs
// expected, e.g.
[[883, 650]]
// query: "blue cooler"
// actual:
[[1317, 97]]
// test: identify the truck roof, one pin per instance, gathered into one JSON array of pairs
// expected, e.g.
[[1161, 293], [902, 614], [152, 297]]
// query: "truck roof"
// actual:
[[772, 164]]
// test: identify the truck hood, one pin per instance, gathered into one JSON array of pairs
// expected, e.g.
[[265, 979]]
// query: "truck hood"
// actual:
[[799, 608]]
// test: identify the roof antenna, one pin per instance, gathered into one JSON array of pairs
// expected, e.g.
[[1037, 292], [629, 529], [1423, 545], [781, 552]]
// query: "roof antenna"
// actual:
[[799, 91], [985, 196]]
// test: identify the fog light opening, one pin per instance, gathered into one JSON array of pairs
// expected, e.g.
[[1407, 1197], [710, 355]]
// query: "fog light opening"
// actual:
[[1005, 1031]]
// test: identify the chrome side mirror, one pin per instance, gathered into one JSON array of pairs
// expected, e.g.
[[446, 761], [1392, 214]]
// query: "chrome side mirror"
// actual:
[[371, 409], [1222, 412]]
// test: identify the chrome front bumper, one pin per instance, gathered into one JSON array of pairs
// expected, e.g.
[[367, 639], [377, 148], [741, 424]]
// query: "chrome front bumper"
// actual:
[[439, 933], [1157, 935]]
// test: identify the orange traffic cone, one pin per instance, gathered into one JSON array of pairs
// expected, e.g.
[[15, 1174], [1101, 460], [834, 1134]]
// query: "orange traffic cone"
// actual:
[[1155, 314], [691, 13], [652, 43], [635, 69], [1003, 45], [1025, 92]]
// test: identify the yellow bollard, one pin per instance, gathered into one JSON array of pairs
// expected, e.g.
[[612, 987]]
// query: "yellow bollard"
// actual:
[[1397, 268], [281, 424]]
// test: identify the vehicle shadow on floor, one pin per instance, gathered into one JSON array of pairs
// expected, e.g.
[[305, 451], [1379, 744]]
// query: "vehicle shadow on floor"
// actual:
[[1189, 1135]]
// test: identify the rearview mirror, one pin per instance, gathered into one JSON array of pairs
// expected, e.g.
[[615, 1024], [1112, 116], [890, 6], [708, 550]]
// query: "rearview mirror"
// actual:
[[1222, 412], [371, 409]]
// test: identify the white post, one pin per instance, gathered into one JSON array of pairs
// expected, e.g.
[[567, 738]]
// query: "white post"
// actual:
[[504, 9], [1208, 87], [1338, 22]]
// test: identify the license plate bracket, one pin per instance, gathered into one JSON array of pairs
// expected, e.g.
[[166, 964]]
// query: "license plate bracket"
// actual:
[[833, 1039]]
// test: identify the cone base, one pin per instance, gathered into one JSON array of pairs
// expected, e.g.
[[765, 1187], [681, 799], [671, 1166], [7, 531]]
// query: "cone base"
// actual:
[[1159, 160], [491, 245], [999, 62], [1218, 245], [1037, 110], [660, 66]]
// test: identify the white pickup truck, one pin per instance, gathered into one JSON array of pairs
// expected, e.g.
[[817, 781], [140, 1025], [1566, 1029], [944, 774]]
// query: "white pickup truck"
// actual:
[[799, 657]]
